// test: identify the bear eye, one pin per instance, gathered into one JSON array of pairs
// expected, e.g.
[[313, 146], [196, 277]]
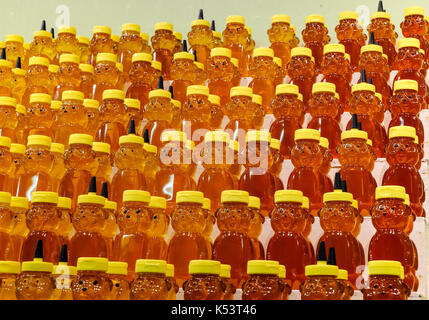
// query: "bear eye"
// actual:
[[95, 283]]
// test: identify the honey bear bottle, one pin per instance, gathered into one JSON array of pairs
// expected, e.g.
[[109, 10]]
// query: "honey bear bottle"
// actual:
[[262, 70], [322, 278], [255, 229], [87, 79], [6, 79], [54, 79], [188, 243], [315, 36], [183, 72], [205, 282], [21, 129], [220, 73], [225, 274], [106, 75], [355, 155], [201, 38], [65, 225], [385, 281], [324, 107], [18, 230], [235, 38], [130, 43], [129, 161], [301, 70], [280, 35], [67, 42], [217, 36], [307, 158], [405, 106], [402, 154], [35, 282], [58, 169], [7, 165], [141, 77], [92, 281], [17, 152], [338, 220], [43, 44], [117, 273], [210, 221], [236, 167], [163, 44], [7, 246], [157, 247], [150, 282], [9, 273], [110, 228], [263, 282], [93, 114], [134, 220], [42, 220], [287, 112], [14, 46], [146, 46], [103, 163], [409, 63], [63, 275], [278, 160], [336, 69], [39, 115], [215, 177], [350, 34], [259, 112], [343, 278], [151, 167], [217, 112], [20, 81], [280, 73], [159, 113], [37, 165], [308, 227], [69, 75], [257, 178], [240, 112], [390, 218], [101, 42], [8, 118], [288, 245], [326, 184], [233, 246], [37, 78]]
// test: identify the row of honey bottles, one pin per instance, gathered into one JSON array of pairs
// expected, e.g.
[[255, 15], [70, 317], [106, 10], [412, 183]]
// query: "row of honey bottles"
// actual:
[[100, 279]]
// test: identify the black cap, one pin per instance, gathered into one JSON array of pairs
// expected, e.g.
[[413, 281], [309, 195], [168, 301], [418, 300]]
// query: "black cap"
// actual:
[[337, 182], [93, 185], [195, 55], [371, 38], [370, 81], [360, 126], [332, 259], [3, 54], [132, 128], [146, 136], [321, 255], [104, 191], [355, 122], [38, 254], [161, 83], [363, 76], [201, 14], [171, 90], [185, 46], [213, 26], [53, 33], [18, 63], [344, 185], [43, 27], [380, 6], [63, 255]]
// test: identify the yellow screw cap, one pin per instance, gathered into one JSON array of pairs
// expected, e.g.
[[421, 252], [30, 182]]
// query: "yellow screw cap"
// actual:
[[324, 87], [354, 134], [288, 196], [67, 29], [133, 104], [150, 148], [101, 147], [178, 36], [83, 40], [106, 57], [91, 199], [10, 267], [306, 203], [131, 139], [164, 26], [53, 68], [159, 93], [92, 264], [200, 22], [235, 196], [198, 90], [284, 18], [37, 140], [258, 136], [343, 275], [338, 196], [402, 132], [414, 11], [264, 267], [14, 38], [19, 72], [220, 52], [42, 34], [114, 94], [21, 109], [405, 85], [307, 134], [64, 203], [119, 268], [136, 196], [257, 99], [315, 18], [301, 51], [287, 89], [110, 205], [380, 15], [363, 87], [40, 98], [210, 267], [156, 65], [63, 268], [234, 145], [81, 139], [5, 197], [275, 144], [37, 265], [184, 56], [241, 91], [173, 136], [73, 95], [225, 271], [190, 197], [348, 15], [407, 201], [213, 99], [56, 105], [102, 29], [235, 62], [87, 68], [144, 57], [5, 142], [324, 143], [371, 48], [69, 58], [390, 192], [91, 104], [321, 270], [385, 268], [207, 204], [44, 197], [57, 148], [334, 47], [263, 52], [16, 148], [277, 61], [236, 19], [151, 266], [8, 101], [217, 136], [255, 203], [355, 204], [131, 27], [158, 203], [170, 271], [409, 43]]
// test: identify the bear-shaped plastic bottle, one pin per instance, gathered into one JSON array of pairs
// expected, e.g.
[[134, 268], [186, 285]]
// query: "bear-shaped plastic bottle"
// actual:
[[217, 112], [259, 112], [384, 32], [157, 247], [9, 273], [405, 106], [402, 154], [69, 75], [54, 79], [67, 43], [39, 115], [287, 110], [278, 160], [205, 283], [101, 42], [336, 69], [201, 38], [326, 184], [255, 229], [301, 70], [87, 79], [120, 85], [390, 218], [151, 166], [129, 161], [350, 34], [233, 246], [217, 36], [103, 164], [134, 221], [150, 282], [58, 168], [280, 73], [37, 78], [355, 155], [106, 75], [62, 276], [84, 48], [236, 167], [7, 246], [35, 281], [385, 281], [17, 152], [18, 230], [236, 78], [250, 46], [19, 81], [14, 46], [93, 114], [288, 245], [240, 113], [220, 73], [235, 38], [215, 177], [115, 38], [225, 274], [21, 129], [343, 278], [310, 219], [179, 40], [307, 158], [92, 281], [324, 107], [65, 226], [110, 228], [6, 165], [117, 273], [315, 36], [210, 221], [6, 78], [257, 178], [42, 220], [141, 77], [338, 220], [8, 118], [409, 63], [188, 243], [130, 43], [280, 35], [262, 70], [43, 44], [163, 44], [146, 46], [263, 282]]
